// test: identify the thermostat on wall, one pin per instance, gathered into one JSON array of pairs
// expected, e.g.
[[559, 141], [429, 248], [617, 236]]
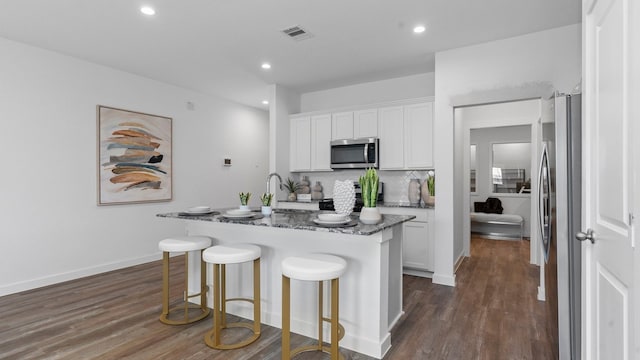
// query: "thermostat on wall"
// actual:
[[227, 162]]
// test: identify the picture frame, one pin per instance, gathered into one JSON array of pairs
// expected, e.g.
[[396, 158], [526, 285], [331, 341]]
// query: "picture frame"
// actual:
[[134, 152]]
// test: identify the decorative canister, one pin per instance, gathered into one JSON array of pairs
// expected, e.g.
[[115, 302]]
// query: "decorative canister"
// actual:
[[305, 186], [316, 191], [414, 191], [344, 196]]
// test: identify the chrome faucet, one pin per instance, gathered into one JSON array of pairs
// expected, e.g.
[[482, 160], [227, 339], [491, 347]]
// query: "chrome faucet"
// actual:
[[269, 180]]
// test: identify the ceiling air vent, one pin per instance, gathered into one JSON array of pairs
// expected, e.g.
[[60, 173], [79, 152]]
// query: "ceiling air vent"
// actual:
[[297, 33]]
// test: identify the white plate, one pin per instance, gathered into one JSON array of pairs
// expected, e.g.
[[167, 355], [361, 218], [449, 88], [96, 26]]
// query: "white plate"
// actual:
[[332, 217], [239, 216], [237, 212], [199, 210], [323, 222]]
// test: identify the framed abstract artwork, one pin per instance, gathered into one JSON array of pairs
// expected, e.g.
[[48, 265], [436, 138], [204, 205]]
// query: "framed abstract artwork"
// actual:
[[134, 157]]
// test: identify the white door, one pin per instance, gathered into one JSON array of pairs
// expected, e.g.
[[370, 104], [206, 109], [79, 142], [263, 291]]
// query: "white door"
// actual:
[[608, 277]]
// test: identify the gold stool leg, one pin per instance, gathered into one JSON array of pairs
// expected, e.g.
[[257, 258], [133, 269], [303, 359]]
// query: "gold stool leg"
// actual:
[[223, 295], [256, 296], [203, 284], [185, 293], [165, 284], [320, 312], [286, 325], [334, 319]]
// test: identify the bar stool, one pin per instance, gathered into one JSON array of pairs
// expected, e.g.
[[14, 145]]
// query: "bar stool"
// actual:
[[184, 244], [220, 256], [312, 267]]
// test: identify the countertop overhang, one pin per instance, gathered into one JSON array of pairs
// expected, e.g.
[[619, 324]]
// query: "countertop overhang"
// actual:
[[296, 220]]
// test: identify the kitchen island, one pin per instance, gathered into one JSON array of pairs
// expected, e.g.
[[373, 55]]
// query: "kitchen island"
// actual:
[[370, 289]]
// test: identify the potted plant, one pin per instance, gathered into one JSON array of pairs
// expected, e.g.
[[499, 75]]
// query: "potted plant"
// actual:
[[370, 214], [292, 186], [244, 200], [431, 186], [266, 203]]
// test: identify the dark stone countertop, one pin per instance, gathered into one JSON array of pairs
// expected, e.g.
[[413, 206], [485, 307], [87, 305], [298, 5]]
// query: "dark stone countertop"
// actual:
[[403, 204], [297, 220]]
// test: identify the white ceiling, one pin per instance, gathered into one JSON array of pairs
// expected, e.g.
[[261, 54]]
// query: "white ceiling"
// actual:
[[216, 47]]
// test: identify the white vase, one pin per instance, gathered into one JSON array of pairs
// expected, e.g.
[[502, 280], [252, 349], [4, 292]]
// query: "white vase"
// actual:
[[370, 215], [244, 207], [266, 210], [424, 191], [414, 191], [344, 196]]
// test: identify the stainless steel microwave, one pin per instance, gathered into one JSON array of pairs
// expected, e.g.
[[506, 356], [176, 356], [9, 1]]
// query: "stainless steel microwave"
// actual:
[[355, 153]]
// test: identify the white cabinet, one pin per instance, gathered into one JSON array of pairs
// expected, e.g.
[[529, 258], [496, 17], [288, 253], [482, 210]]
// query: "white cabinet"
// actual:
[[353, 125], [417, 247], [391, 130], [310, 143], [321, 142], [406, 136], [342, 125], [418, 136], [417, 240], [365, 123], [300, 144]]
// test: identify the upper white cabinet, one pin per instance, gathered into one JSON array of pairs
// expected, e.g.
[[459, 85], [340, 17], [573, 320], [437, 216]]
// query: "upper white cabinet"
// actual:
[[310, 143], [365, 123], [354, 125], [300, 149], [405, 130], [391, 130], [418, 136], [321, 142], [406, 136], [342, 125]]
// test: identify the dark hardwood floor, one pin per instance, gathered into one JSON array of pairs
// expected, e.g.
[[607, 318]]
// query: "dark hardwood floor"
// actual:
[[491, 314]]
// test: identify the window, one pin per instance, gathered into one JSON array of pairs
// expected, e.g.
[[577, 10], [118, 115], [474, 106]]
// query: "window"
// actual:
[[472, 167]]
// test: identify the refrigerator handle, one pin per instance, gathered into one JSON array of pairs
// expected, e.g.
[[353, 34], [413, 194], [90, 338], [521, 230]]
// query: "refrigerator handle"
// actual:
[[541, 193]]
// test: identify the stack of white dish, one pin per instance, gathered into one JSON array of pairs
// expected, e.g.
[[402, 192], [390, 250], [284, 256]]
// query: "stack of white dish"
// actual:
[[238, 213], [332, 218], [197, 210]]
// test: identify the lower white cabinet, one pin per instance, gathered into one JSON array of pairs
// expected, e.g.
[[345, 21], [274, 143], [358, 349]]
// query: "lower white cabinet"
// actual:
[[417, 240]]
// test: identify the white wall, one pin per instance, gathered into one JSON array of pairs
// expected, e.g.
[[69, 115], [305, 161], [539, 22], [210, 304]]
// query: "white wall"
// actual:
[[282, 102], [52, 230], [527, 66], [407, 87]]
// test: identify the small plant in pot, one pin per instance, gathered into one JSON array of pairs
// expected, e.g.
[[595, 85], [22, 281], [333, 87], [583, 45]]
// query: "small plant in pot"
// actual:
[[370, 214], [244, 200], [292, 186], [266, 203]]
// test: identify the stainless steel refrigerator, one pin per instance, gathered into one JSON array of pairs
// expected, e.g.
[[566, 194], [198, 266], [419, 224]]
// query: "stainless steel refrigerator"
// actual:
[[559, 214]]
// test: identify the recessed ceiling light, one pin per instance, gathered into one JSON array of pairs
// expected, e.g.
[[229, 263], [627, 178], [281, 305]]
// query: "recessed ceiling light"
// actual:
[[419, 29], [265, 102], [266, 66], [147, 10]]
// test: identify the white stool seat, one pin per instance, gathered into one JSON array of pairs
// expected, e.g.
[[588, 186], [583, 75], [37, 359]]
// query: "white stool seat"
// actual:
[[184, 243], [231, 254], [313, 267]]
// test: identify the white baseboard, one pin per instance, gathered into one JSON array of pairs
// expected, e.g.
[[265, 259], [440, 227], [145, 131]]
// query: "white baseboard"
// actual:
[[542, 296], [441, 279], [419, 273], [75, 274]]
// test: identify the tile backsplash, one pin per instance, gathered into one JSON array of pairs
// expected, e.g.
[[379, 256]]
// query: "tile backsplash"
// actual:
[[396, 183]]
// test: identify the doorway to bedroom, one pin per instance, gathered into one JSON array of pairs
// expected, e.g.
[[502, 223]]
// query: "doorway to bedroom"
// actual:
[[499, 152]]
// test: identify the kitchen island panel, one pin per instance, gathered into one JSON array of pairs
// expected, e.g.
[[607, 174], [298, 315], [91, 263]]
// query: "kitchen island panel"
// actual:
[[370, 289]]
